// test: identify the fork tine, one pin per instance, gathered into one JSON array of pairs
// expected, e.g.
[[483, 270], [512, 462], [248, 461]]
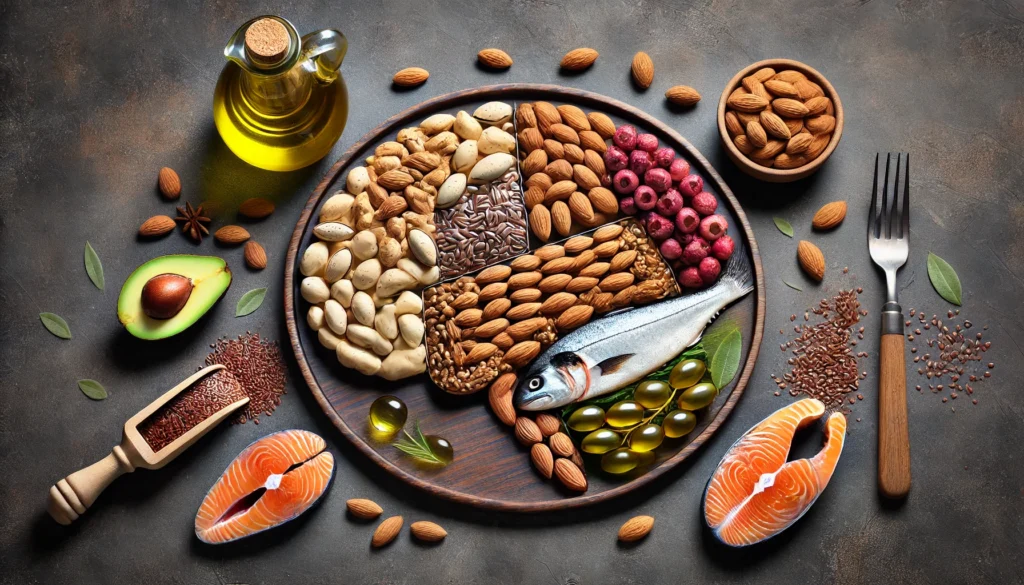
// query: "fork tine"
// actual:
[[883, 214], [893, 216], [905, 233], [872, 213]]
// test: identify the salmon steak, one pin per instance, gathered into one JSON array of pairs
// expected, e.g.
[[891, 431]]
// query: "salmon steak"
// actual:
[[755, 493], [272, 481]]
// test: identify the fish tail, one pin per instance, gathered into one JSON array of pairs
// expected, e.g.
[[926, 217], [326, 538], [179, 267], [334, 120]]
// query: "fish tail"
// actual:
[[739, 273]]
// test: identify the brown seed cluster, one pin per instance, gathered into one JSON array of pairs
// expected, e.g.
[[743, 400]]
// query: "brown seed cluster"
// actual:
[[203, 399], [950, 350], [258, 367], [500, 319], [824, 365]]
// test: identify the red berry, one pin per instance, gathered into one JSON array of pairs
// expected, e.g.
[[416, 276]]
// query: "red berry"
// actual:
[[687, 220], [671, 249], [709, 269], [647, 142], [658, 179], [658, 227], [704, 203], [640, 161], [695, 251], [691, 185], [615, 159], [669, 204], [625, 182], [713, 227], [723, 248], [679, 169], [627, 205], [625, 137], [645, 197], [664, 156], [690, 278]]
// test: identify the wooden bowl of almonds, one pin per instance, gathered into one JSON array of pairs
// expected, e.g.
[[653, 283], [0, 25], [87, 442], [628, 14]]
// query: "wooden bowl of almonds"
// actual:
[[779, 120]]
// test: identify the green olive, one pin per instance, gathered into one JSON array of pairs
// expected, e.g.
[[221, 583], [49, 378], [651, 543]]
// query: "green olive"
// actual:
[[588, 418], [698, 396], [601, 441], [679, 423], [652, 393], [644, 458], [646, 438], [624, 414], [686, 373], [619, 461]]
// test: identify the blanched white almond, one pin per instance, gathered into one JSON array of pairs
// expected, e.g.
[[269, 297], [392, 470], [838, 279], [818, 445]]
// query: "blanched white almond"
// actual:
[[363, 309], [493, 113], [335, 316], [369, 338], [437, 123], [357, 180], [451, 190], [408, 303], [394, 281], [338, 265], [432, 275], [315, 317], [465, 156], [336, 208], [494, 140], [364, 245], [411, 327], [385, 322], [491, 167], [422, 247], [357, 358], [333, 231], [342, 292], [365, 276], [404, 363], [327, 338], [314, 290], [466, 126], [314, 259]]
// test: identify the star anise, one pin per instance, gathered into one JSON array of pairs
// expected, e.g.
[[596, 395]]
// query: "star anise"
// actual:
[[193, 222]]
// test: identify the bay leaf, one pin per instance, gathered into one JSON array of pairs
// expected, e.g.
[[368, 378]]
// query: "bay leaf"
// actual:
[[250, 301], [93, 266], [792, 286], [56, 325], [944, 279], [783, 226], [92, 389], [725, 361]]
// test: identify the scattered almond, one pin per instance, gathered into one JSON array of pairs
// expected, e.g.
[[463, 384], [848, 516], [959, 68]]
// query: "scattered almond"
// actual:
[[579, 59], [636, 528], [570, 475], [256, 208], [231, 234], [540, 454], [682, 95], [158, 225], [811, 260], [427, 531], [386, 531], [169, 183], [642, 70], [255, 255], [410, 77], [494, 58], [830, 215], [364, 509]]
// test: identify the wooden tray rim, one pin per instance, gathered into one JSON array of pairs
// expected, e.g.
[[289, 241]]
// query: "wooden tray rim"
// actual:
[[507, 92]]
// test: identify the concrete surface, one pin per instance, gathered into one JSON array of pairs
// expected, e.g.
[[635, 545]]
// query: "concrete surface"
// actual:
[[96, 97]]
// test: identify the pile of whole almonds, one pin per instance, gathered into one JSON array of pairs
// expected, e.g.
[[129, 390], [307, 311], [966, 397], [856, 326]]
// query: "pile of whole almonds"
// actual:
[[562, 159], [780, 119]]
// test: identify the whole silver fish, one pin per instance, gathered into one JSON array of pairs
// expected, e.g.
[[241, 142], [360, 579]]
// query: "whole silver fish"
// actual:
[[612, 352]]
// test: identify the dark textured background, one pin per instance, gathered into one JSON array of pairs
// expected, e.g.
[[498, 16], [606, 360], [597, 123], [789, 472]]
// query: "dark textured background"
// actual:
[[96, 97]]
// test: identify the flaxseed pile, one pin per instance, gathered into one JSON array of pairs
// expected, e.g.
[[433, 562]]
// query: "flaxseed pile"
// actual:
[[258, 366]]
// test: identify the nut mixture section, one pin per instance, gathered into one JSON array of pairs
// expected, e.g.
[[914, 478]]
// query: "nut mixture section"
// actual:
[[502, 318]]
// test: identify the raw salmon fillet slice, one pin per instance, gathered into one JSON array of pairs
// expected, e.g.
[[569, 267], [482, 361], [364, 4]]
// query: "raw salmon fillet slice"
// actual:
[[272, 481], [755, 493]]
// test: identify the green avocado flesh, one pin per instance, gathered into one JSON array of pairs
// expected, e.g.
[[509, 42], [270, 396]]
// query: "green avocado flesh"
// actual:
[[210, 278]]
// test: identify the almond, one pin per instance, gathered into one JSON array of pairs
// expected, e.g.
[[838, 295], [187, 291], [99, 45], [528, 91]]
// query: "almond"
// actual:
[[525, 329], [466, 300], [789, 76], [231, 234], [255, 256], [748, 103], [585, 178], [594, 161], [782, 89], [503, 340], [795, 125], [557, 303], [807, 89], [522, 353], [490, 329], [427, 531], [817, 105], [386, 531], [606, 233], [541, 457], [616, 282], [500, 397], [555, 152], [493, 274], [606, 249], [524, 310], [480, 351], [763, 74], [561, 218], [525, 262], [622, 260], [534, 162], [623, 297], [789, 108], [524, 280], [743, 144], [769, 150], [256, 208], [574, 117], [596, 270], [603, 200], [548, 424], [525, 116], [821, 124], [584, 259], [580, 208], [530, 140], [830, 215], [410, 77], [811, 260], [555, 282], [558, 265], [468, 318], [493, 291], [636, 528], [561, 445], [570, 475], [601, 124], [364, 509], [818, 145], [790, 161], [549, 252], [799, 144], [169, 183], [574, 317], [642, 70], [774, 125], [564, 134], [547, 115], [593, 141], [682, 95], [579, 59], [756, 134], [494, 58], [577, 244], [395, 180], [393, 206], [560, 171], [495, 309], [158, 225], [533, 196], [581, 284], [573, 153], [527, 432], [525, 295]]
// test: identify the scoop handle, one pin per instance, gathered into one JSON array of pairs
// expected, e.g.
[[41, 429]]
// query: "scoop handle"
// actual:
[[72, 496]]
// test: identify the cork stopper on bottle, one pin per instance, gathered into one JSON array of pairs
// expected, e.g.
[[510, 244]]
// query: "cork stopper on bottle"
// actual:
[[267, 41]]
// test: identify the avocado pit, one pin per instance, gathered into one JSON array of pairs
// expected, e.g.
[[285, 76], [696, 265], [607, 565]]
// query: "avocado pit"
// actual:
[[164, 295]]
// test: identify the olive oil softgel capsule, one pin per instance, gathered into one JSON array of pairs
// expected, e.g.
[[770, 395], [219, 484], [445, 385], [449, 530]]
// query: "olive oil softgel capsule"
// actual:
[[388, 414]]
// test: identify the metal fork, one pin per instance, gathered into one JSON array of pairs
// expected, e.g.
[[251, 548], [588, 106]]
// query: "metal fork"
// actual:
[[888, 242]]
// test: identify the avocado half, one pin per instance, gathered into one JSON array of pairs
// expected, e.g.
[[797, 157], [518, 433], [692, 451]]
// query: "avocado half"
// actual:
[[210, 278]]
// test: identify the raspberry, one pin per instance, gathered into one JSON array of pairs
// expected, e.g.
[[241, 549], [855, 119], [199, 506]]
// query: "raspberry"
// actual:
[[615, 159], [691, 185], [704, 203], [664, 156], [645, 197], [713, 227], [627, 205], [640, 162], [679, 169], [625, 182], [723, 248], [690, 278], [647, 142], [687, 220], [658, 179], [669, 204], [671, 249], [709, 270], [625, 137], [659, 228], [695, 251]]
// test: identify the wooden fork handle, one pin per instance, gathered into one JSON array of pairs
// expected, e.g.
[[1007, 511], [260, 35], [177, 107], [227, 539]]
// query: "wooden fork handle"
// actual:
[[893, 434]]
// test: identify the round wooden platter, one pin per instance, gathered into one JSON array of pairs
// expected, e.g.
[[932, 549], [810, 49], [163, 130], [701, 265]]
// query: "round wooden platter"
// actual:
[[491, 469]]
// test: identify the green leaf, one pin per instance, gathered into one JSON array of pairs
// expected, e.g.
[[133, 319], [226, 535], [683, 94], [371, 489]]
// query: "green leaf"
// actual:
[[783, 226], [93, 266], [54, 324], [417, 447], [792, 286], [944, 279], [250, 301], [92, 389], [725, 361]]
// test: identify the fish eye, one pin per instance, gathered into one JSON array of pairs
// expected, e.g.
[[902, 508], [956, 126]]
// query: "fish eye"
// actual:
[[535, 383]]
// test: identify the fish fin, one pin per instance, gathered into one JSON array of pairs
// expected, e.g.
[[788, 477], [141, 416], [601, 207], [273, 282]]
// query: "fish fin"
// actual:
[[614, 364]]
